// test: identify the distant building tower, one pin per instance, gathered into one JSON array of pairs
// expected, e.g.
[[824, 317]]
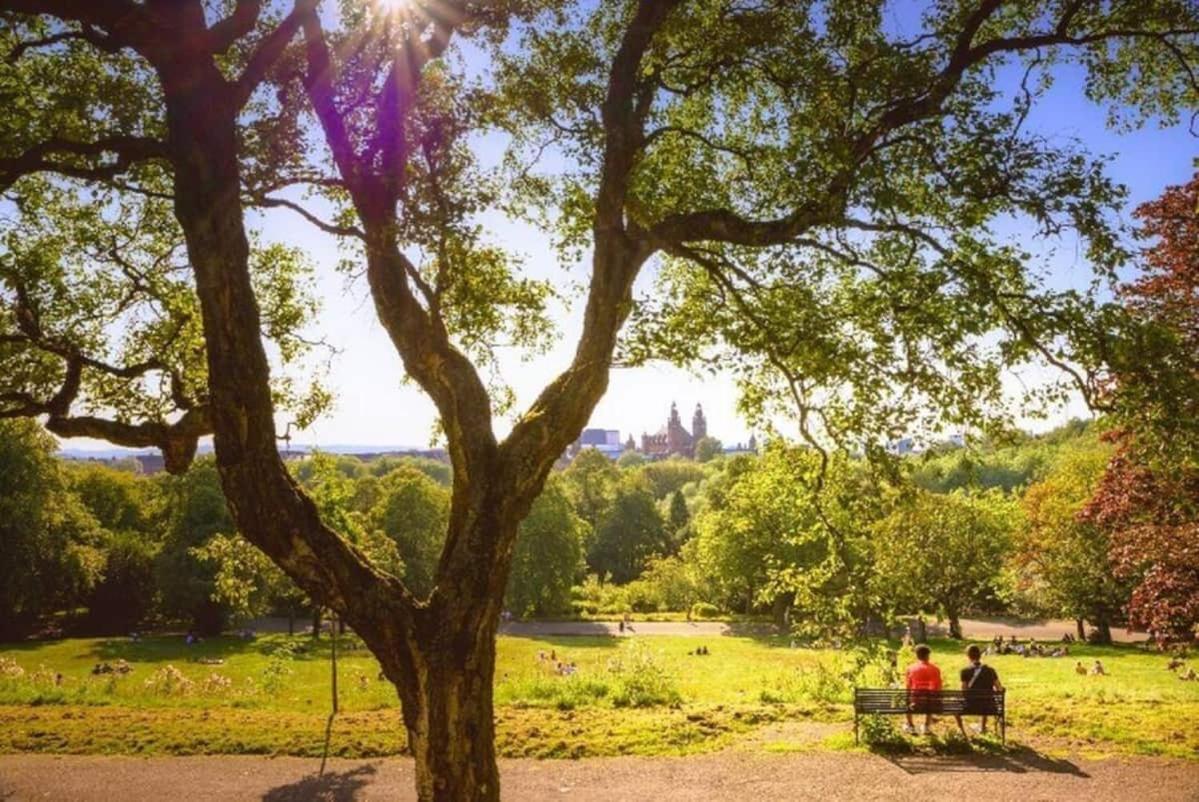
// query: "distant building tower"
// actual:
[[629, 445], [673, 438], [753, 444], [699, 425], [677, 439]]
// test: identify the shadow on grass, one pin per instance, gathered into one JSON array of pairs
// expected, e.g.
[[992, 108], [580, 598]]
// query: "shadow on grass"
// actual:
[[336, 786], [174, 648], [953, 756], [566, 642]]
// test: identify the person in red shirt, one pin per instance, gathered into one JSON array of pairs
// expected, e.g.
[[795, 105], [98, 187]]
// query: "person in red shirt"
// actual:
[[922, 676]]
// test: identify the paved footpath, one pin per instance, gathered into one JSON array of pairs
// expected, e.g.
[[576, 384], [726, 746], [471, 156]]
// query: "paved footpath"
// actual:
[[978, 629], [732, 775]]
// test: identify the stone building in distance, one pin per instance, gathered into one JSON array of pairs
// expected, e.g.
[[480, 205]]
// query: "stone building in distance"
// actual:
[[673, 438]]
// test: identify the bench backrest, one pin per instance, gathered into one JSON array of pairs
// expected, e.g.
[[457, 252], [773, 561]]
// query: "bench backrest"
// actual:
[[899, 700]]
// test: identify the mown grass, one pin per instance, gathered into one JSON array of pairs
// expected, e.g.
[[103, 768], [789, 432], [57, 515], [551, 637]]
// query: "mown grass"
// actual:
[[649, 695]]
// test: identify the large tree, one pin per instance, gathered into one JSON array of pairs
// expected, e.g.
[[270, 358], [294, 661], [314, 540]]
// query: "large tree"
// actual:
[[1063, 561], [1148, 500], [548, 557], [815, 182], [945, 552], [50, 552]]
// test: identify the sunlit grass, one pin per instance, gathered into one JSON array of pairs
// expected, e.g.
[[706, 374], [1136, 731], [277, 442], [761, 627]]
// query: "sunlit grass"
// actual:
[[650, 695]]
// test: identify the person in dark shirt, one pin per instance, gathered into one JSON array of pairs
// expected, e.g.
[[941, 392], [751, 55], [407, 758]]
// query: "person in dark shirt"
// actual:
[[979, 677]]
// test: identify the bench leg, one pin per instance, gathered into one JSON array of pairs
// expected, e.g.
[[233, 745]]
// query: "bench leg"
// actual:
[[855, 728]]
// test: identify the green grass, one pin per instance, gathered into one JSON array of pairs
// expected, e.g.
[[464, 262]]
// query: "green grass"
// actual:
[[629, 696]]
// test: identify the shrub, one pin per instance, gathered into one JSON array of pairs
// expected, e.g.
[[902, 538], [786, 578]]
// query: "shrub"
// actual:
[[563, 693], [880, 731], [824, 683], [169, 681], [216, 684], [278, 667], [704, 610], [641, 680]]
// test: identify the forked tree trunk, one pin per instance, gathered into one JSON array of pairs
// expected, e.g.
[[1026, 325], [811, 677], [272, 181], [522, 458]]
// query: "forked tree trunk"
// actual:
[[439, 654], [1082, 630]]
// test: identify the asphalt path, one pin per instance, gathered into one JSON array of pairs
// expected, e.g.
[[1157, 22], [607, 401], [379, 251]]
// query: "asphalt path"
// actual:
[[977, 629]]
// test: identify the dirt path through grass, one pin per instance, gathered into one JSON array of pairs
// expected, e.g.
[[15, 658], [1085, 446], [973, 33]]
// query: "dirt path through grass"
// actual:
[[731, 775]]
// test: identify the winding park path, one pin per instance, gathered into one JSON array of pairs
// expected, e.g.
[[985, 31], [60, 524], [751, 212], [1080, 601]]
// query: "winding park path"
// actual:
[[730, 775], [978, 629]]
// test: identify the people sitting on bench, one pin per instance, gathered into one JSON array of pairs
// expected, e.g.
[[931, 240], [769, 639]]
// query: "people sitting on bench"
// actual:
[[922, 676], [978, 677]]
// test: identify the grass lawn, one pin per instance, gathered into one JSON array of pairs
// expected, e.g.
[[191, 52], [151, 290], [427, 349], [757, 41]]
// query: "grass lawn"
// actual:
[[629, 696]]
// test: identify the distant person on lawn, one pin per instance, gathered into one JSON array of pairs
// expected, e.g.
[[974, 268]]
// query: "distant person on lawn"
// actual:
[[978, 677], [922, 676]]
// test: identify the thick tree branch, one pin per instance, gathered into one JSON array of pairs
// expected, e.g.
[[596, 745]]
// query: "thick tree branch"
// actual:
[[224, 33], [564, 406], [267, 201], [129, 150], [270, 49], [725, 225], [123, 22]]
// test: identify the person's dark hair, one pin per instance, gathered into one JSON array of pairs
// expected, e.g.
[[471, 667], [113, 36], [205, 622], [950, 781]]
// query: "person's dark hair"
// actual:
[[974, 653], [922, 652]]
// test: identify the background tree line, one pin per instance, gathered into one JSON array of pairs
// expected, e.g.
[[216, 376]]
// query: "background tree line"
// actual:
[[1014, 528]]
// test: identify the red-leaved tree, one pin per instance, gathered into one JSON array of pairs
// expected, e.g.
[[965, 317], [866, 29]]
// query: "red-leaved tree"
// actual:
[[1148, 499]]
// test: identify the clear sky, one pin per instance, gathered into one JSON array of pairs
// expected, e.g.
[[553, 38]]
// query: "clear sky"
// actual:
[[374, 407]]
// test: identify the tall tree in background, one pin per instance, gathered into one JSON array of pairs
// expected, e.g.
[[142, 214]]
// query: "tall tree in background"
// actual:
[[630, 533], [1064, 562], [945, 552], [49, 556], [549, 555], [1148, 499], [814, 185]]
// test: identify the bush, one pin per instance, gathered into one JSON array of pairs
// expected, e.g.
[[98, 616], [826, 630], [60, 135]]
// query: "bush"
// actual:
[[880, 731], [825, 683], [641, 680], [278, 667], [594, 597], [563, 693], [704, 610], [169, 681]]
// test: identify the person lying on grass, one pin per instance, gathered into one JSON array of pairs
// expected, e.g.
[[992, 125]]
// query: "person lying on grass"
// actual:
[[978, 677], [922, 676]]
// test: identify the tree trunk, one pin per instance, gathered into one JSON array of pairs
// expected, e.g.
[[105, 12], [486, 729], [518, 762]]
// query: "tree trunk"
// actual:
[[1101, 632], [955, 626], [781, 609], [1082, 630], [445, 664], [449, 712], [316, 622]]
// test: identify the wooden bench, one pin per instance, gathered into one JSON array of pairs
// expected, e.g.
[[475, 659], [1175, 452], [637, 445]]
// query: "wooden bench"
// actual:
[[899, 702]]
